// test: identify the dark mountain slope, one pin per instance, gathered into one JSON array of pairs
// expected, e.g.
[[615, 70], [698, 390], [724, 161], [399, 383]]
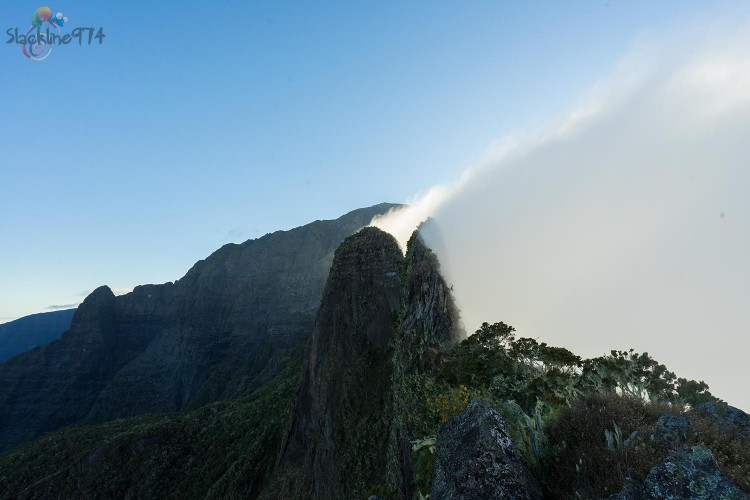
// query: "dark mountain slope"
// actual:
[[224, 329], [31, 331], [222, 450]]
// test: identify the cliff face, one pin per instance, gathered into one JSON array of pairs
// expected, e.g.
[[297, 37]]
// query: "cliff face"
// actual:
[[429, 318], [222, 330], [335, 447]]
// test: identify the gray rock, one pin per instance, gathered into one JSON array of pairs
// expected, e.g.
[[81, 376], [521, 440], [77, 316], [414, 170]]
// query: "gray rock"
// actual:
[[476, 459], [727, 418], [689, 473], [671, 430]]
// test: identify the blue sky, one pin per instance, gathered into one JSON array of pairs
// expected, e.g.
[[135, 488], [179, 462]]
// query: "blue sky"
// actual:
[[200, 123]]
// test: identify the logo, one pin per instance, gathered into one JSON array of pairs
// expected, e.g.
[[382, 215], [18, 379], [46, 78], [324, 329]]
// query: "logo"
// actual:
[[46, 32]]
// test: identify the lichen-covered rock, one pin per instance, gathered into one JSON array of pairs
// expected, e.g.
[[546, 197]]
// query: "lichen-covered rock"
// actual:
[[671, 430], [689, 473], [476, 459], [727, 418]]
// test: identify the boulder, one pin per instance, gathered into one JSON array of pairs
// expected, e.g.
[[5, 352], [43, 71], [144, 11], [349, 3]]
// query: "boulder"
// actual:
[[476, 459], [689, 473]]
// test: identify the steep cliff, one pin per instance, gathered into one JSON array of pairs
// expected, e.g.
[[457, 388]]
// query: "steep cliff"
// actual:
[[428, 326], [224, 329], [335, 447]]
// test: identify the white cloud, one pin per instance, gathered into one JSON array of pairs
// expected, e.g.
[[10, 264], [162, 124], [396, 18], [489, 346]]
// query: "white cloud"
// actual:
[[625, 225]]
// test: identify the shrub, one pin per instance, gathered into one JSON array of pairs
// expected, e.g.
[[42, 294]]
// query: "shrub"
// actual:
[[450, 403], [731, 450], [580, 462]]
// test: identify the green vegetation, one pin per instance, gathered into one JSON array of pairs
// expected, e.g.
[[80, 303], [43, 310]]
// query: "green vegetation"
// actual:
[[223, 450], [581, 426]]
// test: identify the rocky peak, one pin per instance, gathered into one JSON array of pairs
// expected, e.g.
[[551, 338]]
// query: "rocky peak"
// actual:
[[96, 314], [335, 445], [429, 317]]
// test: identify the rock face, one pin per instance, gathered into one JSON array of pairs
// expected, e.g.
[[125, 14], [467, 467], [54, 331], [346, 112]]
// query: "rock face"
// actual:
[[429, 317], [476, 459], [429, 326], [225, 328], [690, 473], [31, 331], [336, 446]]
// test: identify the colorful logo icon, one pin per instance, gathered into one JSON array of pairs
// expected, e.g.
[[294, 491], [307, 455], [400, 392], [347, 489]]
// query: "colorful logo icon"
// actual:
[[39, 47]]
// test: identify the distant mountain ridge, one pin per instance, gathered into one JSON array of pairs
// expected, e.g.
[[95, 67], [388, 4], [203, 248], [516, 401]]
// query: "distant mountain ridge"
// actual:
[[32, 331], [229, 325]]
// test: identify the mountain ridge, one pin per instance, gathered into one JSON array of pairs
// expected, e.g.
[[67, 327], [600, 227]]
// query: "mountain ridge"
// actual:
[[223, 329]]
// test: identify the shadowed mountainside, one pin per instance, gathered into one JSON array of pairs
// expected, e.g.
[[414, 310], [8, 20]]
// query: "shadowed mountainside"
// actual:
[[319, 429], [221, 331]]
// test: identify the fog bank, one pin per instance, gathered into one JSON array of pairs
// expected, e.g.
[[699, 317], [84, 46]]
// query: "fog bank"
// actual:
[[627, 224]]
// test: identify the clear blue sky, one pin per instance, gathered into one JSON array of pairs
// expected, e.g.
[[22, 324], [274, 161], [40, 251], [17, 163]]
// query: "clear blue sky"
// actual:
[[200, 123]]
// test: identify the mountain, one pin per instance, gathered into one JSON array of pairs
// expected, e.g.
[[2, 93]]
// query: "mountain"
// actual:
[[318, 429], [228, 326], [383, 401], [31, 331]]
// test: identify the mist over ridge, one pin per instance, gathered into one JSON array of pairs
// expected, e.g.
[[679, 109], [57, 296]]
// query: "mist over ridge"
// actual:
[[625, 225]]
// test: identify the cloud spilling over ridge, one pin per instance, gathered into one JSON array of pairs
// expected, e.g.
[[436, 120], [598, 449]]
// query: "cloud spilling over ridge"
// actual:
[[626, 225]]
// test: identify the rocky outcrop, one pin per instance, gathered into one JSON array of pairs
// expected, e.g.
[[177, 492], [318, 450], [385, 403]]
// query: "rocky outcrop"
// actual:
[[689, 473], [225, 328], [429, 317], [476, 459], [32, 331], [336, 446]]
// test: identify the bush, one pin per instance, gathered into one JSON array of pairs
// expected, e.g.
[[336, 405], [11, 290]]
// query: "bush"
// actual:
[[731, 450], [580, 462]]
